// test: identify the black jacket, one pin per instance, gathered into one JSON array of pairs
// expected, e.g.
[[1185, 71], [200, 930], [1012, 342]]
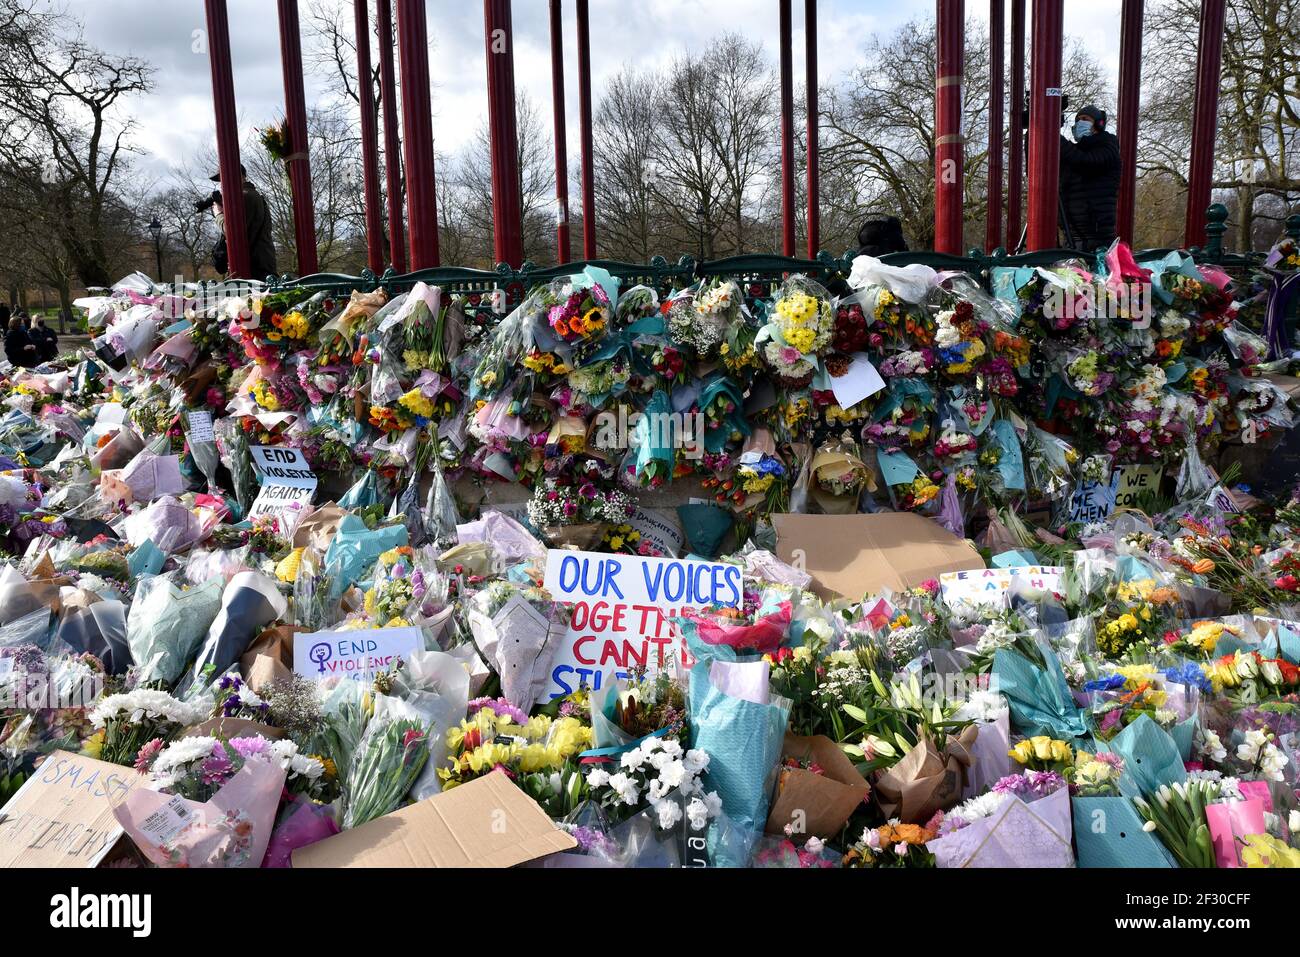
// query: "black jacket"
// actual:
[[46, 341], [16, 351], [261, 245], [1090, 188]]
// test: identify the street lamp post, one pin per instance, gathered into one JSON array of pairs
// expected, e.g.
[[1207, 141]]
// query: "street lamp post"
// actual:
[[155, 229]]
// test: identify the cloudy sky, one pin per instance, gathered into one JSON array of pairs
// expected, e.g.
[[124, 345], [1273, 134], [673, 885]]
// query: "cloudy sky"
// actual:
[[176, 119]]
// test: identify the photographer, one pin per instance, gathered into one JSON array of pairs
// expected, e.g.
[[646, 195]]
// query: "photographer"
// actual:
[[257, 220], [1090, 169]]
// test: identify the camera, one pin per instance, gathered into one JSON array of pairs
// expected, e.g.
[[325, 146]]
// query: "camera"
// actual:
[[1065, 111], [203, 205]]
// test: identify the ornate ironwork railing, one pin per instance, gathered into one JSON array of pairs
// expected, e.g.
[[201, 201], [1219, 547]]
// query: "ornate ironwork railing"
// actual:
[[758, 272]]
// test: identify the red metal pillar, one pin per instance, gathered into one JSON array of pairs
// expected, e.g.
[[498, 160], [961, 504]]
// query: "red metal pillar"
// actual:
[[949, 175], [299, 160], [997, 89], [1130, 89], [369, 139], [813, 120], [787, 130], [223, 104], [1045, 124], [417, 133], [1205, 118], [1016, 127], [507, 203], [561, 145], [392, 147], [584, 121]]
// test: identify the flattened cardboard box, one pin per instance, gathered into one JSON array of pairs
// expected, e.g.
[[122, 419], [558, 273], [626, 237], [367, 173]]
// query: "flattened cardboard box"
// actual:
[[488, 822], [855, 555], [62, 816]]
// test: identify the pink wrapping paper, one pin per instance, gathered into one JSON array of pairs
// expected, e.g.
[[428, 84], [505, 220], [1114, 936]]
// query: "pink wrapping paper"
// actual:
[[304, 823], [233, 829], [764, 635], [1231, 821], [1122, 268]]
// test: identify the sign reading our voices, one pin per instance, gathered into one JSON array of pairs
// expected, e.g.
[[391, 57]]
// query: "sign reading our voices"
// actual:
[[621, 606], [987, 586]]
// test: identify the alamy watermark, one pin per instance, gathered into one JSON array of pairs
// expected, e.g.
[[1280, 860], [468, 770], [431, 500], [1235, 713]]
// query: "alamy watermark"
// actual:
[[626, 429], [1126, 302]]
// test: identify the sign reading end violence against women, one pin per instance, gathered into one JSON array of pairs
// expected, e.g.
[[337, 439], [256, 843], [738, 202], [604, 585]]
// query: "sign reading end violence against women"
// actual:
[[355, 653], [287, 480], [621, 606]]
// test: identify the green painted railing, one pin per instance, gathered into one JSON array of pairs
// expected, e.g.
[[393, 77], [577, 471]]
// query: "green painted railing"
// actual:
[[758, 272]]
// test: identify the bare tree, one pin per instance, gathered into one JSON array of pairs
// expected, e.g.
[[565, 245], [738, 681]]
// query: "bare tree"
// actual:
[[473, 174], [879, 126], [741, 130], [1257, 152], [64, 140], [623, 153], [691, 183]]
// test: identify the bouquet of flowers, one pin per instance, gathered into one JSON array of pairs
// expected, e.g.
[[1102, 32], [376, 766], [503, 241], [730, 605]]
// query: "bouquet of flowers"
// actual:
[[661, 775], [893, 844], [197, 767], [125, 722], [1177, 814], [387, 760], [498, 734]]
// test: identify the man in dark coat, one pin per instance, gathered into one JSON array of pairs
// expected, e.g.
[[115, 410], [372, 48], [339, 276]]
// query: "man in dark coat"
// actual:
[[879, 237], [1090, 181], [45, 339], [257, 223], [19, 349]]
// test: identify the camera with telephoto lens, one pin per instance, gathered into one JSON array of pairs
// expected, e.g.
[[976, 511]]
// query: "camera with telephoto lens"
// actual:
[[203, 205]]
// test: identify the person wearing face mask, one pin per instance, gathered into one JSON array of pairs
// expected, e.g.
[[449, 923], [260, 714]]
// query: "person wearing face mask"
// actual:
[[1090, 167]]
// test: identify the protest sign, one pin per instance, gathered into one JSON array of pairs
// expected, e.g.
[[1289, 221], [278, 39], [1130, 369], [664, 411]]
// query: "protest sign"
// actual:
[[358, 653], [1133, 481], [1091, 502], [621, 606], [62, 816], [988, 585], [287, 480], [659, 529]]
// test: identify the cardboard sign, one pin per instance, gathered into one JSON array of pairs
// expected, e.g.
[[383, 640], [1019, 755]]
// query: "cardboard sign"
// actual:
[[987, 586], [201, 426], [275, 499], [1092, 502], [1131, 481], [62, 816], [488, 822], [283, 466], [850, 556], [359, 653], [287, 480], [659, 529], [621, 606]]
